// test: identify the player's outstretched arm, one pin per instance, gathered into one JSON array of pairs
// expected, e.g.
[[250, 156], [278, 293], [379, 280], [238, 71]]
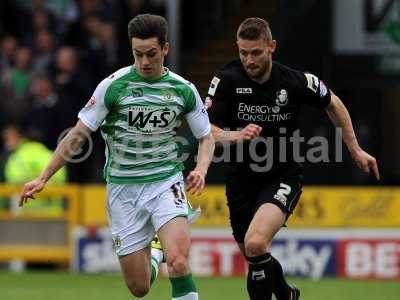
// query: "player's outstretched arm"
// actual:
[[66, 149], [196, 178], [248, 133], [339, 115]]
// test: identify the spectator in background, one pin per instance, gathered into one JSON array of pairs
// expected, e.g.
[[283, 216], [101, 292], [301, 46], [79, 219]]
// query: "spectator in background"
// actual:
[[40, 20], [25, 161], [109, 45], [78, 31], [125, 10], [73, 85], [44, 53], [46, 125], [7, 51], [15, 86], [93, 54], [90, 7], [8, 47]]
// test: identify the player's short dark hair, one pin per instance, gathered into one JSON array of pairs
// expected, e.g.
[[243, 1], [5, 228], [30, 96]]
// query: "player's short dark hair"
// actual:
[[147, 26], [254, 29]]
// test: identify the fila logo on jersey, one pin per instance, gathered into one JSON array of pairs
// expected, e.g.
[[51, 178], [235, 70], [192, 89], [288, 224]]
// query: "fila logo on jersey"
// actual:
[[146, 119], [244, 91]]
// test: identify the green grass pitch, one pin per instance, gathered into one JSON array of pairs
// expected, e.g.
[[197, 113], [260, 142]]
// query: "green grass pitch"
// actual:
[[65, 286]]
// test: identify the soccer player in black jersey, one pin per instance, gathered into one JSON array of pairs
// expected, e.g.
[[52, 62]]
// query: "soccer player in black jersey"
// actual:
[[252, 103]]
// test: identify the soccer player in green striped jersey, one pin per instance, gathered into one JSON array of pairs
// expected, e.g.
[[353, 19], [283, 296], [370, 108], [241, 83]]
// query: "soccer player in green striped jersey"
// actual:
[[138, 110]]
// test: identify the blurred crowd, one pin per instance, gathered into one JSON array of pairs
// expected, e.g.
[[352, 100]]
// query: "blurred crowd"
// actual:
[[53, 53]]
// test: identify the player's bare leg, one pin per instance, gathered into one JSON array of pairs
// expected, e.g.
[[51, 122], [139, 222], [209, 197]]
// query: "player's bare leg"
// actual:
[[136, 270], [174, 236], [265, 272], [157, 254]]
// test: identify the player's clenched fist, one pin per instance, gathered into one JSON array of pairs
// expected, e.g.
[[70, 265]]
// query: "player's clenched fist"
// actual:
[[250, 132]]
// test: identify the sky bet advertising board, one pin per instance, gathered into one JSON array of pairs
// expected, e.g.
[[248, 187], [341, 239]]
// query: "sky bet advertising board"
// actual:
[[306, 253]]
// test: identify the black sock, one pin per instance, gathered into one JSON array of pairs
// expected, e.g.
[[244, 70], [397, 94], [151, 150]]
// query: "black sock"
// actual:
[[260, 278], [281, 289]]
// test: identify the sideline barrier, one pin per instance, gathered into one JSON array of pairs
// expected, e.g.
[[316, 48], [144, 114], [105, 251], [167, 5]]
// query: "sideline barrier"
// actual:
[[36, 236], [318, 207], [352, 253], [47, 238]]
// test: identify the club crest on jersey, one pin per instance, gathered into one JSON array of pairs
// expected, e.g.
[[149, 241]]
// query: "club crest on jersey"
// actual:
[[282, 97], [117, 241], [168, 96], [244, 91]]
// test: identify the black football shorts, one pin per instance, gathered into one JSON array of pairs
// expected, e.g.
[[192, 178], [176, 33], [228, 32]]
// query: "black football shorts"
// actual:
[[245, 197]]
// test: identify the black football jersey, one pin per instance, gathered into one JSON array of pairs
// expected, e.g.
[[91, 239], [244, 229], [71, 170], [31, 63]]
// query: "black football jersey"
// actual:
[[234, 101]]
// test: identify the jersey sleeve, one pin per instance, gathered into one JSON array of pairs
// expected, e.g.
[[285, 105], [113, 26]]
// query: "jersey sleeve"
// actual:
[[197, 118], [95, 111], [314, 92], [217, 101]]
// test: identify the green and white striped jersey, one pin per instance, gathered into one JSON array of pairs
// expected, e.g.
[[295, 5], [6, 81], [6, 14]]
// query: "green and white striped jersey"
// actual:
[[138, 119]]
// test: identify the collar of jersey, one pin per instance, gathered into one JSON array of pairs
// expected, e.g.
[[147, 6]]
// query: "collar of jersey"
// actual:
[[166, 73]]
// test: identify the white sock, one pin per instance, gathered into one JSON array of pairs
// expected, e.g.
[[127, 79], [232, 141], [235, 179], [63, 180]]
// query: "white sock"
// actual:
[[157, 254], [156, 259], [190, 296]]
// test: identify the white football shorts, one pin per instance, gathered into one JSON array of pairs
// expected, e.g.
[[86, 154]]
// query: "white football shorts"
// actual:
[[137, 211]]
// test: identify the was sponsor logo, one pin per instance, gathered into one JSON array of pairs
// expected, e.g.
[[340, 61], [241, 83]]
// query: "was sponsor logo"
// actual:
[[147, 119]]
